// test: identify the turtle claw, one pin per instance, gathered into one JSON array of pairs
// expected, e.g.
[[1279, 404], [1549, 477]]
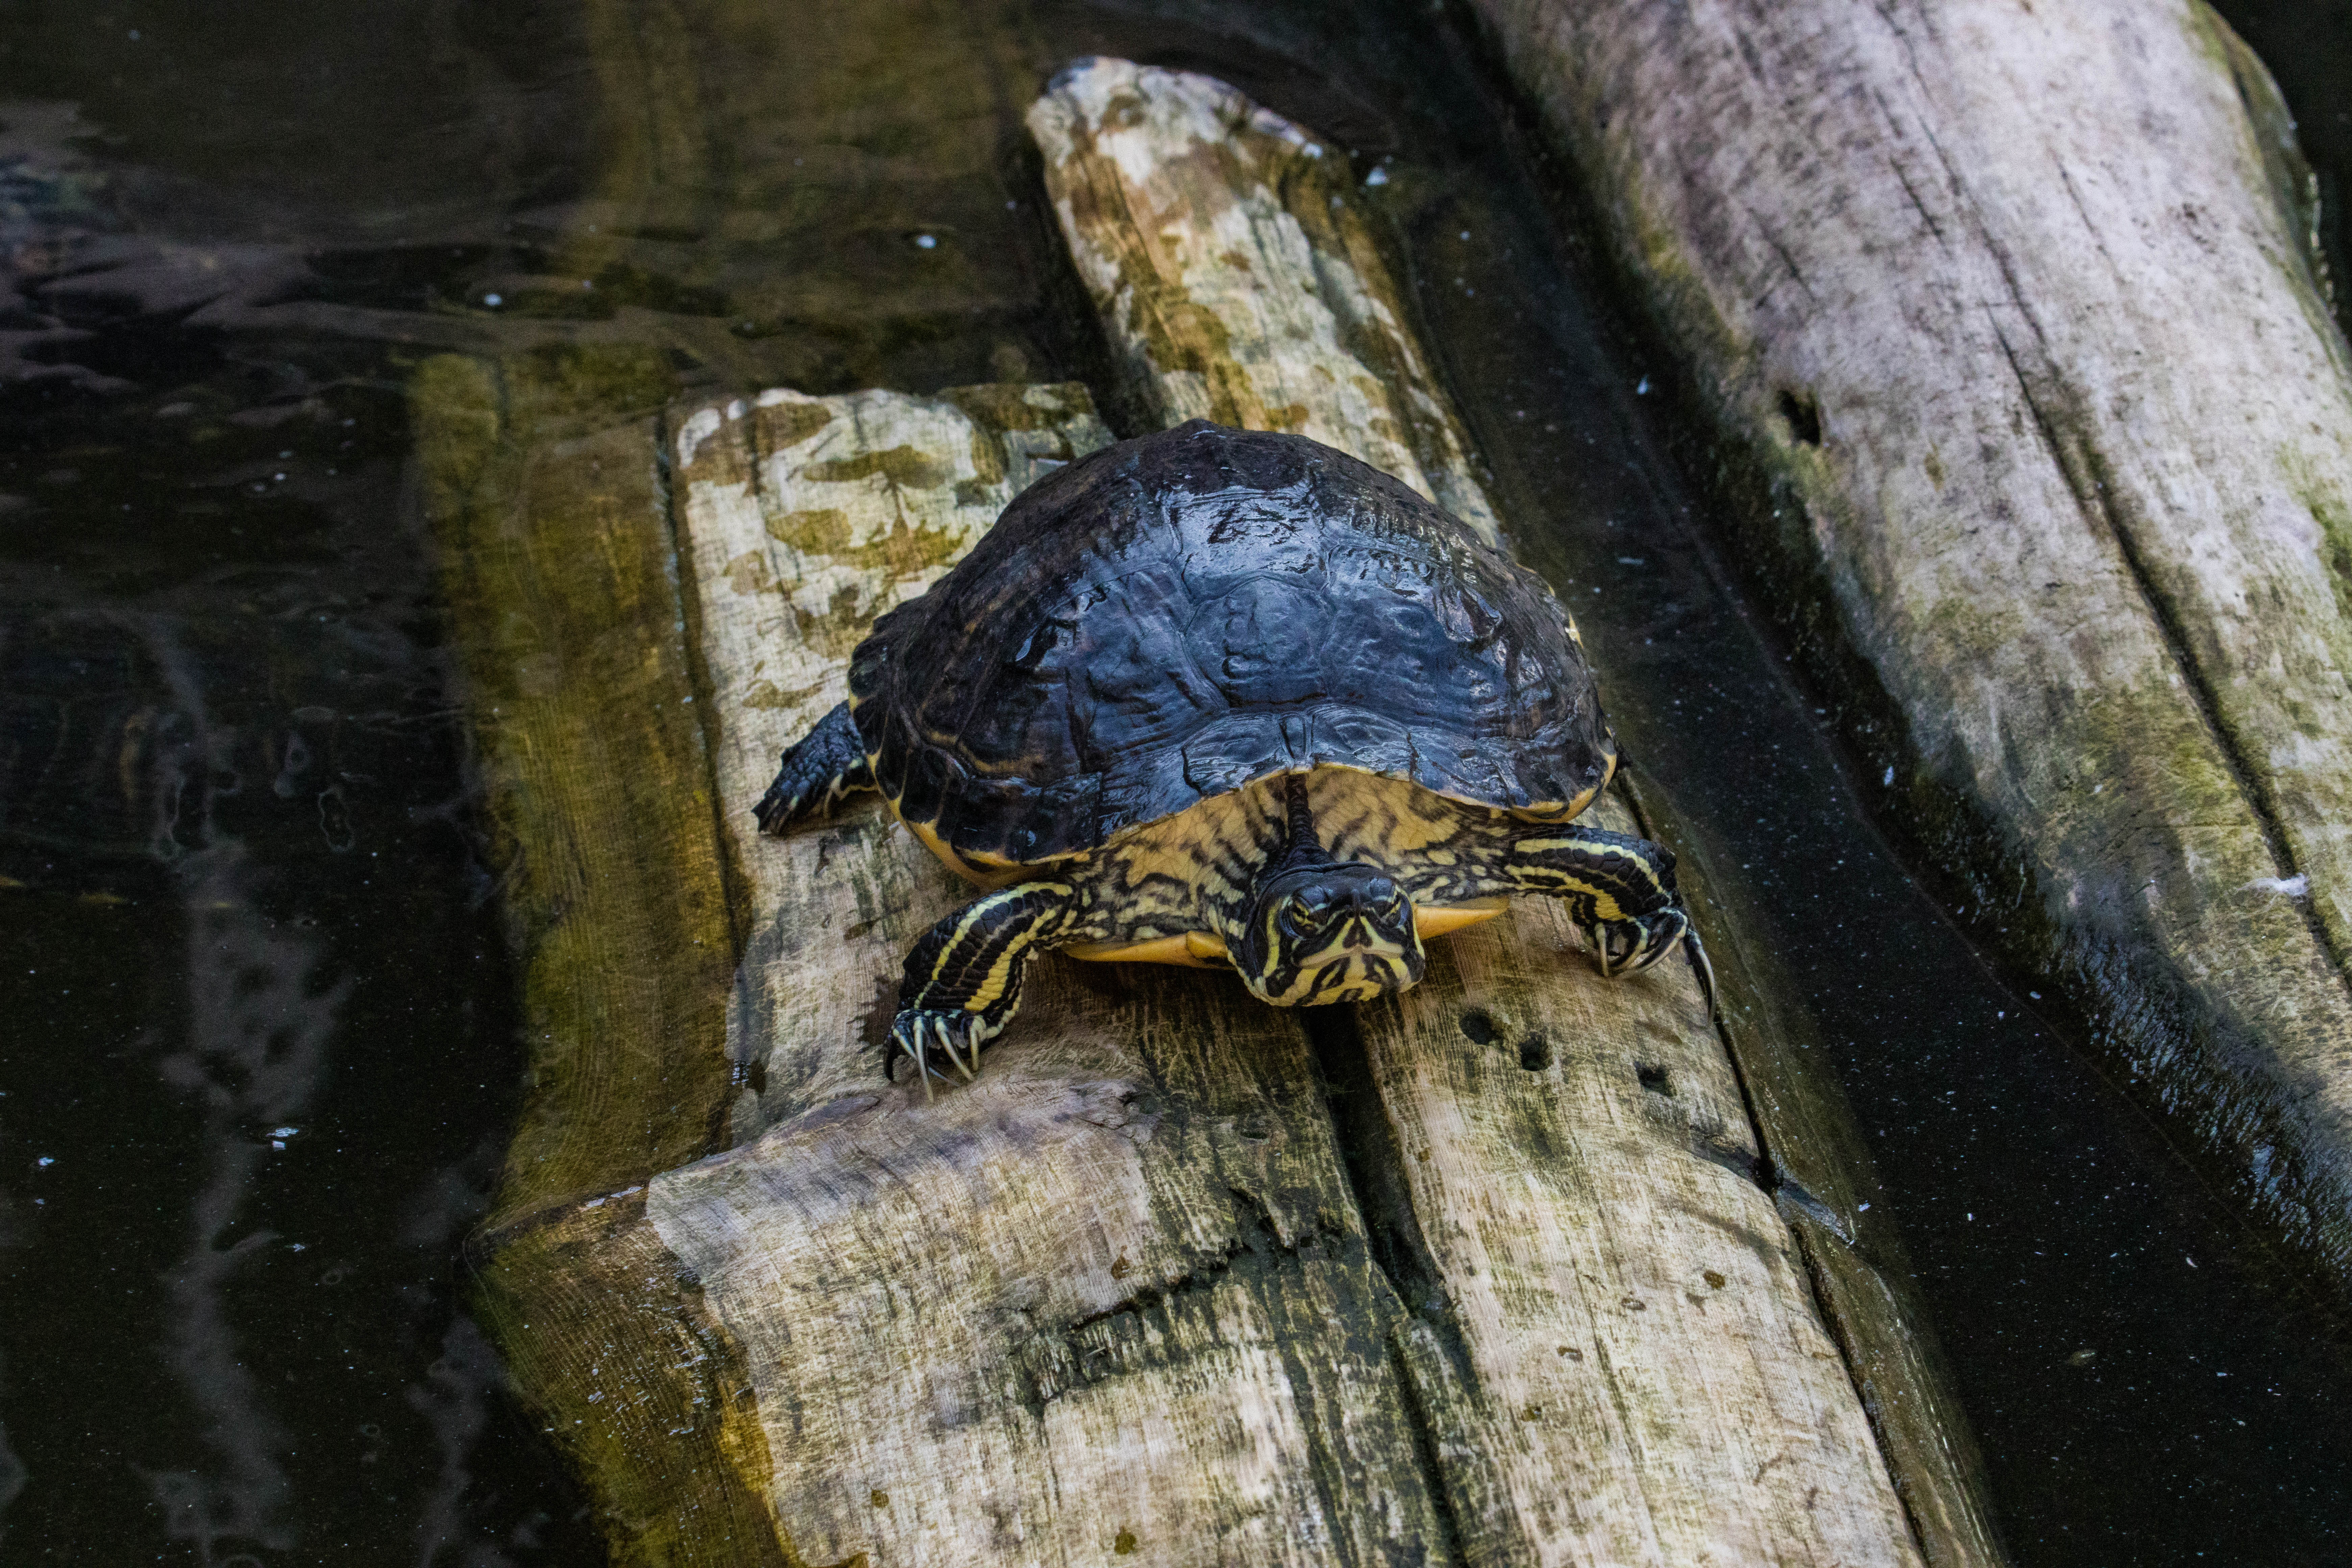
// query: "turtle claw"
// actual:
[[1697, 951], [957, 1036], [1628, 947]]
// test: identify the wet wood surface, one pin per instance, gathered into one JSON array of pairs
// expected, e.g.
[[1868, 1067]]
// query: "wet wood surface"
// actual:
[[2016, 318]]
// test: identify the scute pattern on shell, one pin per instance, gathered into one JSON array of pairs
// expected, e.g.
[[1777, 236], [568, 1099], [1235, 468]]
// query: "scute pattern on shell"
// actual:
[[1177, 615]]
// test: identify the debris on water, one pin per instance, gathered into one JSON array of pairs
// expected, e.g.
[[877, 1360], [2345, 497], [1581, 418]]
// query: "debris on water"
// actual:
[[2083, 1358], [1889, 777], [927, 241], [1376, 177], [1642, 388], [493, 300], [45, 1160]]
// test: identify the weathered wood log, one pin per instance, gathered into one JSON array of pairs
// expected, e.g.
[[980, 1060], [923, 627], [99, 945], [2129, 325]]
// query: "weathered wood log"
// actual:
[[1211, 231], [2012, 310]]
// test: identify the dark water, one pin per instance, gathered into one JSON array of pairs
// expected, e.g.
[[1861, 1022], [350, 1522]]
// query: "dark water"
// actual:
[[245, 906]]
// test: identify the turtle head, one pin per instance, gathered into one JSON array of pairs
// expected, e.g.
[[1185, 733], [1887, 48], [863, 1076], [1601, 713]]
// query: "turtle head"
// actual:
[[1328, 933]]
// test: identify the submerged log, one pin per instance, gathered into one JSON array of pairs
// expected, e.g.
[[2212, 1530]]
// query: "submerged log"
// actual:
[[2013, 312]]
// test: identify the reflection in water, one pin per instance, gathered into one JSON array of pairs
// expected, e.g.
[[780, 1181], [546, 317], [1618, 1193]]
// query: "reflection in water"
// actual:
[[13, 1473], [258, 1037], [242, 905], [454, 1399]]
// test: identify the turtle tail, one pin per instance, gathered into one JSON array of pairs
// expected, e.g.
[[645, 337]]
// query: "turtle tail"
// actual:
[[825, 764]]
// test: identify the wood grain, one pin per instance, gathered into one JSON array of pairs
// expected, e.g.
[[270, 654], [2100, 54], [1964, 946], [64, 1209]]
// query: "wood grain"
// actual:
[[2014, 314], [1235, 279], [558, 565]]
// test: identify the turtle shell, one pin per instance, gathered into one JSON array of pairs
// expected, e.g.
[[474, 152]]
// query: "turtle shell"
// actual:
[[1176, 616]]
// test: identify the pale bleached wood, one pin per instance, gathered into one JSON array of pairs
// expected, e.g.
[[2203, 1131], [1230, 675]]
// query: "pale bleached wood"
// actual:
[[1597, 1395], [800, 521], [1114, 1298], [2082, 502], [1236, 280], [1644, 1361]]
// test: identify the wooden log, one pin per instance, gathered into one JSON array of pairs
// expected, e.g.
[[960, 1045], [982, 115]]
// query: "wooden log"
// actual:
[[801, 519], [1607, 1380], [2012, 312], [1115, 1297], [1236, 282]]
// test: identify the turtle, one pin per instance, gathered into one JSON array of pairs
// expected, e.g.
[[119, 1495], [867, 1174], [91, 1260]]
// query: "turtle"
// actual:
[[1235, 699]]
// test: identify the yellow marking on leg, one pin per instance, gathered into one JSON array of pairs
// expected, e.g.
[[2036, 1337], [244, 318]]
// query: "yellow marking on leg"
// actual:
[[948, 948], [999, 973]]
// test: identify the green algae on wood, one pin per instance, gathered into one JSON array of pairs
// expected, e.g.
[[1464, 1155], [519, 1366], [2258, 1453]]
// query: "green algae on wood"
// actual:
[[562, 591], [2062, 516], [557, 565], [636, 1381]]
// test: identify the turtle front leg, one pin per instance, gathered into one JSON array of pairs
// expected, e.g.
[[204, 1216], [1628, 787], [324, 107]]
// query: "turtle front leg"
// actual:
[[1618, 889], [822, 765], [962, 981]]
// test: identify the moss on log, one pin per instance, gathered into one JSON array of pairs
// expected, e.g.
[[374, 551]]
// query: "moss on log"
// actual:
[[561, 581], [2013, 312]]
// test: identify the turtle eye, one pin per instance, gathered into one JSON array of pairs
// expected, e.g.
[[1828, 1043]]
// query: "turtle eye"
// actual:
[[1297, 915]]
